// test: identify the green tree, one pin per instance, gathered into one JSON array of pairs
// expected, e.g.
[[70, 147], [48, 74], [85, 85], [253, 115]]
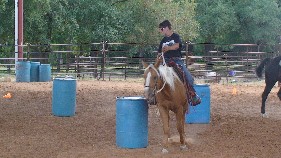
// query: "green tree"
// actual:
[[259, 21], [181, 14], [36, 21], [71, 21], [85, 21], [217, 21], [7, 22], [141, 23], [101, 21], [7, 27], [232, 21]]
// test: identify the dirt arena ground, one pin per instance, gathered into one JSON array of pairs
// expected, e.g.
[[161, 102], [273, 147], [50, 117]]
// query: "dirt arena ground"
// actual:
[[28, 128]]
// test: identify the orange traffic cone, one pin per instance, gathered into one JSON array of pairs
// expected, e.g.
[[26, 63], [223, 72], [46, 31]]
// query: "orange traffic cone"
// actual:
[[234, 91], [7, 96]]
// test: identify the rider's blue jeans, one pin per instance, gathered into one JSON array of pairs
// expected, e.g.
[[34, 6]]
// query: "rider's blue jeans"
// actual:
[[188, 75]]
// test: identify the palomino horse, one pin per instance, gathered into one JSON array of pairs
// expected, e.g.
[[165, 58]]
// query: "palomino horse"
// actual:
[[272, 75], [164, 86]]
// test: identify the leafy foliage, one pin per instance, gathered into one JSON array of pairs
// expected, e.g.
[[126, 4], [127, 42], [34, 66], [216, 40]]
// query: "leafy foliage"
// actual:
[[87, 21], [259, 21], [231, 21]]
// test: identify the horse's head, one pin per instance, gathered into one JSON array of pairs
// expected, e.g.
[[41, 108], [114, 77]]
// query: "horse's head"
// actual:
[[156, 78], [151, 76]]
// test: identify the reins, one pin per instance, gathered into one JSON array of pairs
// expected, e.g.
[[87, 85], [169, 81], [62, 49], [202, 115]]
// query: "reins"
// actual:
[[164, 63], [155, 91]]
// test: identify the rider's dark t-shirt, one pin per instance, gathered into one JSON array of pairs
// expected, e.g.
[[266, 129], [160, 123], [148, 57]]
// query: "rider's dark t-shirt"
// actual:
[[174, 38]]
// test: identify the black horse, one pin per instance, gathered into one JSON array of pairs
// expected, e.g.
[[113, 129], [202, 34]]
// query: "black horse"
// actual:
[[272, 68]]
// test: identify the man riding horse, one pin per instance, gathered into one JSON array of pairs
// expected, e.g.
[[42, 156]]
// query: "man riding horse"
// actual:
[[171, 46]]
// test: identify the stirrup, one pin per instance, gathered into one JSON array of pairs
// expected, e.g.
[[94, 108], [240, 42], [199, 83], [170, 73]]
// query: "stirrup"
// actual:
[[195, 100]]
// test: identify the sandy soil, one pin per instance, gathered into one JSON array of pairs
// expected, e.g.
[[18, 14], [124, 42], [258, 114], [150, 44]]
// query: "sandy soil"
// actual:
[[28, 128]]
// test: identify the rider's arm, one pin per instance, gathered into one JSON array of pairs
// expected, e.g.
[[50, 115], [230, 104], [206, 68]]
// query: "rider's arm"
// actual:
[[173, 47]]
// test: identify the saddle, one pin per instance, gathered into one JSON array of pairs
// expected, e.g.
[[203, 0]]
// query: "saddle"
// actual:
[[192, 97]]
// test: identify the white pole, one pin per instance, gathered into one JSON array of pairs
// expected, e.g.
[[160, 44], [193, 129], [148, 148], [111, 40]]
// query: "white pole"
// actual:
[[16, 31]]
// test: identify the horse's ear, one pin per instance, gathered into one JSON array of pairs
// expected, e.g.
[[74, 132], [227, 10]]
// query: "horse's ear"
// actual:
[[158, 60], [145, 65]]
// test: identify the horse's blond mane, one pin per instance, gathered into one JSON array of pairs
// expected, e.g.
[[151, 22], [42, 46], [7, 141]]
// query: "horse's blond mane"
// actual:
[[169, 75]]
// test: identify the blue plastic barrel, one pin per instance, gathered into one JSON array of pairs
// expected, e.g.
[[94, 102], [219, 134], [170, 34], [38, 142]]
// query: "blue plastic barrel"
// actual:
[[22, 71], [64, 97], [34, 71], [131, 122], [200, 113], [44, 73]]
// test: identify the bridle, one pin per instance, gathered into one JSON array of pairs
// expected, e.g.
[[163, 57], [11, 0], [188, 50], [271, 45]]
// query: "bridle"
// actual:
[[155, 91], [154, 88]]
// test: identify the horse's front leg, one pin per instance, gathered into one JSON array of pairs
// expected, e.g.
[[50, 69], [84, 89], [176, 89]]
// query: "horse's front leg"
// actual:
[[164, 114], [180, 115]]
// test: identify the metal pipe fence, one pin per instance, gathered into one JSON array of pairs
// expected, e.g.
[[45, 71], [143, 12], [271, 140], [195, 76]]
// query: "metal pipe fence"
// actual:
[[107, 60]]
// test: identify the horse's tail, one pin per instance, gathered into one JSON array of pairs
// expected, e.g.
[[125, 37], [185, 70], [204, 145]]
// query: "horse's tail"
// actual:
[[261, 66]]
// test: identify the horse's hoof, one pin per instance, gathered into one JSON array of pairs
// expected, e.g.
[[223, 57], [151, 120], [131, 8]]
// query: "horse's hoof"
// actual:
[[264, 115], [165, 151], [183, 147]]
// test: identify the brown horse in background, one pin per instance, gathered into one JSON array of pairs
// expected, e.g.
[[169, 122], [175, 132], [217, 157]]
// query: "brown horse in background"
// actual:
[[162, 85]]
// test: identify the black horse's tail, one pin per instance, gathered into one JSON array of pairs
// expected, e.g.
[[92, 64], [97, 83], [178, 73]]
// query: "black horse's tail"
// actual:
[[261, 67]]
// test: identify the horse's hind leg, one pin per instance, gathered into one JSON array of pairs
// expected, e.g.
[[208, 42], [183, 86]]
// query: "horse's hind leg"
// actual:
[[269, 85], [164, 114]]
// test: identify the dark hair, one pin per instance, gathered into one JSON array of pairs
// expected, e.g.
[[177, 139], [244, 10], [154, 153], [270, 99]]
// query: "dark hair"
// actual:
[[165, 23]]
